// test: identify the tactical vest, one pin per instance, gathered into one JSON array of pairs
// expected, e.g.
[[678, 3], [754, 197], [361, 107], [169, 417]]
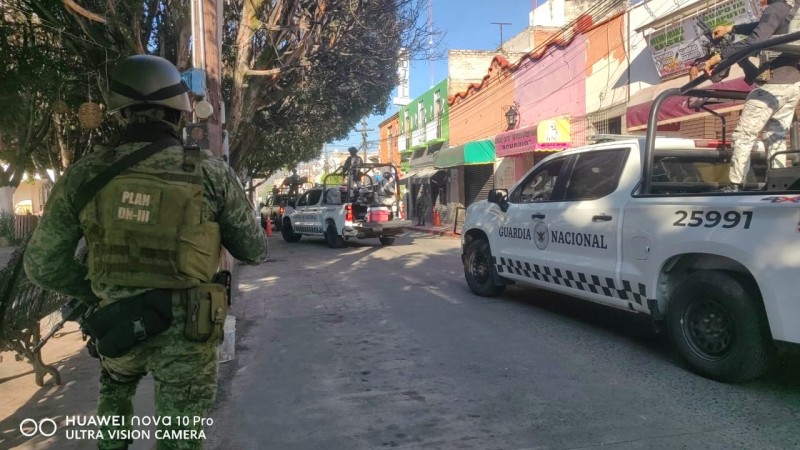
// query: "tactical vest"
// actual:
[[145, 228]]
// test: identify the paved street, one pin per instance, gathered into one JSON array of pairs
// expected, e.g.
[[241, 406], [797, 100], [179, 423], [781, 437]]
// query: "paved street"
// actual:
[[370, 347]]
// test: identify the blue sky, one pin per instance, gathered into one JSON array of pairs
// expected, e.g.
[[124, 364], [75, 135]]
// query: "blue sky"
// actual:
[[467, 26]]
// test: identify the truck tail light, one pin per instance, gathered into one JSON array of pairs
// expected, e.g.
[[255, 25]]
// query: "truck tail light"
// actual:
[[348, 209], [280, 210]]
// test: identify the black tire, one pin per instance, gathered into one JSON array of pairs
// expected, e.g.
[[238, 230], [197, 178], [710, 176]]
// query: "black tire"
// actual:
[[332, 236], [719, 326], [479, 270], [387, 240], [288, 232], [276, 223]]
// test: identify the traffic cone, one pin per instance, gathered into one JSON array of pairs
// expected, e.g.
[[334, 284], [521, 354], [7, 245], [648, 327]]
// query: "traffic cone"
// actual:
[[437, 221], [268, 227]]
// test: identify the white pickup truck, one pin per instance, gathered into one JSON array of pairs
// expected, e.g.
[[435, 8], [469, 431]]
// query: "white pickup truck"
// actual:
[[639, 224], [337, 212]]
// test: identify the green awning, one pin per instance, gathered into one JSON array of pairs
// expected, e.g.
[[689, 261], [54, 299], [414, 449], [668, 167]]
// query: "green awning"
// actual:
[[475, 152]]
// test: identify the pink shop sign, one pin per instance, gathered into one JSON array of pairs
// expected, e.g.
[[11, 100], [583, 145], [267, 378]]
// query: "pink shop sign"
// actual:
[[515, 142]]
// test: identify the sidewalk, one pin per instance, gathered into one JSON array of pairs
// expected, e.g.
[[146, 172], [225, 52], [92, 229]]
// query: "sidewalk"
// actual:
[[77, 396], [441, 230]]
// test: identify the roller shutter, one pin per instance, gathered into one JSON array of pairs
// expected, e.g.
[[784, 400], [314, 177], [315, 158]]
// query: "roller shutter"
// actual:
[[478, 180]]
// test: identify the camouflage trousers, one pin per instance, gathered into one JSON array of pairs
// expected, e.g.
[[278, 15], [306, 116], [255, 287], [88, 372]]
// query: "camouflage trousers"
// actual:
[[769, 108], [185, 375]]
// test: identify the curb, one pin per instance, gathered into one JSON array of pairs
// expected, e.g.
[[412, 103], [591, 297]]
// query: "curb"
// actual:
[[436, 231]]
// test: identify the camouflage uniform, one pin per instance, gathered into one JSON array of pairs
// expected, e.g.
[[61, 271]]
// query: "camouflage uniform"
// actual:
[[769, 108], [185, 372]]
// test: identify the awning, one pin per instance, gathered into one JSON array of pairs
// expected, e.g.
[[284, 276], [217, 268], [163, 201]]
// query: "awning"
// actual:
[[475, 152], [425, 174], [409, 175], [677, 109]]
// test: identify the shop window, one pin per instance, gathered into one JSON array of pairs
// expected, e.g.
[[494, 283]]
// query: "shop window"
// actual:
[[437, 113]]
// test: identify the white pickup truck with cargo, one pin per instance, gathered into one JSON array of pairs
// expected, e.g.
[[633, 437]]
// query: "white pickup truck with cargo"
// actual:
[[369, 208], [640, 224]]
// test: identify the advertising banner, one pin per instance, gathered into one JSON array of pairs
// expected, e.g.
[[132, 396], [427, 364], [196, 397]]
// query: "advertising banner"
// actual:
[[678, 44], [553, 134]]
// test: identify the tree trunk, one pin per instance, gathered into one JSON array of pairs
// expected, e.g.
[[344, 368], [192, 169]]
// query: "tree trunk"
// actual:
[[241, 98], [7, 199], [63, 147]]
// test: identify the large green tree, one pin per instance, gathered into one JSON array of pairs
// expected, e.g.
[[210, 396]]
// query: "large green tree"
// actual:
[[297, 73]]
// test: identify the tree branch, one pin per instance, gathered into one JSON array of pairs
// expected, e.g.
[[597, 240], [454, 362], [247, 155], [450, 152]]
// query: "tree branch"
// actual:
[[71, 5]]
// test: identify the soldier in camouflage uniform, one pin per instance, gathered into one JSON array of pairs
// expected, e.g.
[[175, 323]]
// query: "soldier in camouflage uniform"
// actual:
[[769, 107], [150, 95]]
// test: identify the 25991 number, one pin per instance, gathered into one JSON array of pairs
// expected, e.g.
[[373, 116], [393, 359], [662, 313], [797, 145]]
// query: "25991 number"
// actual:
[[711, 219]]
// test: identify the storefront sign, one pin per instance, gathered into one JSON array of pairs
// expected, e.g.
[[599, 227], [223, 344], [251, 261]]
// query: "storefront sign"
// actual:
[[514, 142], [676, 46], [553, 133]]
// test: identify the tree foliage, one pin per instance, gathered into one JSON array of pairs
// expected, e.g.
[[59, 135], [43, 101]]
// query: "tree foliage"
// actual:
[[297, 73]]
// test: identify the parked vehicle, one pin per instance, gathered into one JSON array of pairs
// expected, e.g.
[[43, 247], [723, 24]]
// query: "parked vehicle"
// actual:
[[639, 224], [273, 209], [361, 210]]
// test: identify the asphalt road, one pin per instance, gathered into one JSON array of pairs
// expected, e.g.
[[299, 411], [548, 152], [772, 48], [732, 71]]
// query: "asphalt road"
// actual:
[[370, 347]]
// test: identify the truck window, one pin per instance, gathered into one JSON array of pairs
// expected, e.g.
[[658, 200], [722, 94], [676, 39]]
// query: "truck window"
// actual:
[[540, 184], [677, 172], [303, 200], [595, 174], [314, 196]]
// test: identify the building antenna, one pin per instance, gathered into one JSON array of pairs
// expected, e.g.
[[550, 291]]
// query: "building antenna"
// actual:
[[430, 38], [501, 24]]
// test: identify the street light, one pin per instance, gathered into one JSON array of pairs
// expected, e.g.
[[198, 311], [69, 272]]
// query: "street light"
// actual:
[[511, 117]]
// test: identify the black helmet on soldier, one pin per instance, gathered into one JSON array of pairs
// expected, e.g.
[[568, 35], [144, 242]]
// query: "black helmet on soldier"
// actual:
[[352, 150], [145, 80]]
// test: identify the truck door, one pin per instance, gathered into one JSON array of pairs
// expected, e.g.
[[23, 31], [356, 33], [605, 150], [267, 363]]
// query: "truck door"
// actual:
[[520, 241], [314, 211], [300, 221], [583, 229]]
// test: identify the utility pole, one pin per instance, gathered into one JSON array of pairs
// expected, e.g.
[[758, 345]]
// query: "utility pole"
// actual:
[[326, 166], [501, 24], [364, 130], [207, 56], [211, 26]]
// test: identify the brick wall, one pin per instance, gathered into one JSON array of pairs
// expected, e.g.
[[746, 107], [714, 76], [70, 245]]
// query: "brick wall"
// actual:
[[465, 67]]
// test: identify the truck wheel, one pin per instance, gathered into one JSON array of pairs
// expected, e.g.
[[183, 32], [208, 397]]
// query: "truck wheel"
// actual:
[[719, 327], [479, 270], [332, 236], [288, 232], [386, 240], [276, 223]]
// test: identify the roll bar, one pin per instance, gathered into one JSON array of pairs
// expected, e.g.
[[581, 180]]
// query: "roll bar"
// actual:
[[689, 90]]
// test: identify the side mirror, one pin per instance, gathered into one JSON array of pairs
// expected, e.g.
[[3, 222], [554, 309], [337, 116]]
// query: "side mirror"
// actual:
[[500, 197]]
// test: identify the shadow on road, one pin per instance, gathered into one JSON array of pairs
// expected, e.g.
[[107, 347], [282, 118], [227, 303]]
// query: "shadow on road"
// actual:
[[638, 329]]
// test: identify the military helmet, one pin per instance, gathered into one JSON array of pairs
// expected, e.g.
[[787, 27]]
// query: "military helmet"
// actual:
[[147, 80]]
